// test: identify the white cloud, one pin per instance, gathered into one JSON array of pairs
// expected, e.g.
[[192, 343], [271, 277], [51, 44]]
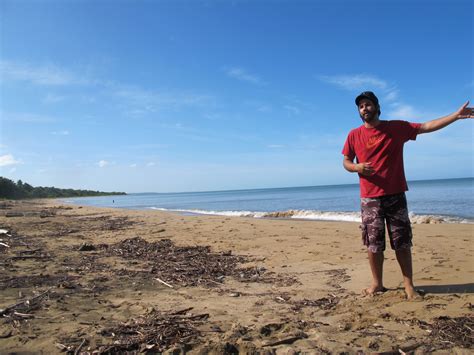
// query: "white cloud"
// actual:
[[394, 108], [146, 101], [135, 101], [60, 133], [392, 95], [264, 108], [103, 163], [356, 82], [52, 98], [49, 75], [26, 117], [404, 112], [243, 75], [275, 146], [8, 159], [151, 164], [259, 106], [292, 109], [133, 165]]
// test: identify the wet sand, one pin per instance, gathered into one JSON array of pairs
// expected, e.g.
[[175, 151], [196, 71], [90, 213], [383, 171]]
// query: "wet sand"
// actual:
[[111, 280]]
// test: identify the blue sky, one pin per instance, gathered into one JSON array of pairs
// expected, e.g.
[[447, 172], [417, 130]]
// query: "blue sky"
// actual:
[[196, 95]]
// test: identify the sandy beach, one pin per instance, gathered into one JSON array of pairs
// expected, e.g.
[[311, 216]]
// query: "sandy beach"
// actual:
[[80, 279]]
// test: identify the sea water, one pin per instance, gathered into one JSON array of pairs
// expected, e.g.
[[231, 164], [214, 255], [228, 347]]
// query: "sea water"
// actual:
[[447, 200]]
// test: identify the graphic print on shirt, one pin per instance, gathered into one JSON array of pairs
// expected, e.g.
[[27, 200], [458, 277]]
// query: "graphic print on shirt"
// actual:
[[374, 141]]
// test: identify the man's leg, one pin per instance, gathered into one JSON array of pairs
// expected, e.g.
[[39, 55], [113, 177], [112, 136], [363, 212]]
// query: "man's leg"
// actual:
[[399, 230], [373, 237], [376, 266], [404, 259]]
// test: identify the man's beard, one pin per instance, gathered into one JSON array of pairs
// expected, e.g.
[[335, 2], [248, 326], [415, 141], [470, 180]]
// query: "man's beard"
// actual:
[[370, 117]]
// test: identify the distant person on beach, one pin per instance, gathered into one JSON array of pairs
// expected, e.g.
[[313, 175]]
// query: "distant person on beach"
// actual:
[[377, 146]]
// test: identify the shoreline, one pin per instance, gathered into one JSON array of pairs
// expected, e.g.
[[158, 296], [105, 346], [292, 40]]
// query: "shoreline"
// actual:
[[292, 214], [302, 290]]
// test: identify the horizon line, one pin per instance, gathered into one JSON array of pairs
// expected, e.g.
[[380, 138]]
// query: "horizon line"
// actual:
[[283, 187]]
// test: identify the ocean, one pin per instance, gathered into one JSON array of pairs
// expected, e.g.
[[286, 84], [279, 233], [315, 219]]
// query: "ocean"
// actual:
[[429, 201]]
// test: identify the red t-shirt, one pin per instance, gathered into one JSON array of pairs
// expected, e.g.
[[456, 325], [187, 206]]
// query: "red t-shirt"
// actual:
[[383, 147]]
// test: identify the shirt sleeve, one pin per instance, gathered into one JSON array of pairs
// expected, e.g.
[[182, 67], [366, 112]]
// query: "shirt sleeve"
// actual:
[[349, 147], [408, 130]]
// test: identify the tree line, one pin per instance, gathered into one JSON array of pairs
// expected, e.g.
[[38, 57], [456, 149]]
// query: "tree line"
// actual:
[[20, 190]]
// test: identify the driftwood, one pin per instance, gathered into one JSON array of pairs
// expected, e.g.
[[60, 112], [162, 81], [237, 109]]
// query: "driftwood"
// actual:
[[163, 282], [6, 335], [456, 331], [289, 340], [25, 302], [23, 315], [14, 214], [78, 349], [154, 332], [21, 257], [188, 265], [325, 303]]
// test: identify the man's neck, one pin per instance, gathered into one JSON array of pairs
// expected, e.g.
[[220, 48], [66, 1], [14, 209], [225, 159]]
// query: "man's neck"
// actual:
[[372, 124]]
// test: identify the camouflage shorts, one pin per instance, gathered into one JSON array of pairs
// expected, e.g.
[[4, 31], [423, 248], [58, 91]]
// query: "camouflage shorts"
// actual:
[[391, 209]]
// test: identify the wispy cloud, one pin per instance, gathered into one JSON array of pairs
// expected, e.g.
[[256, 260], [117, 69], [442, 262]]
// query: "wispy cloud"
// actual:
[[389, 95], [292, 109], [258, 106], [275, 146], [151, 164], [135, 101], [49, 75], [60, 133], [243, 75], [103, 163], [404, 112], [26, 117], [355, 82], [145, 101], [148, 146], [52, 98], [264, 108], [8, 159]]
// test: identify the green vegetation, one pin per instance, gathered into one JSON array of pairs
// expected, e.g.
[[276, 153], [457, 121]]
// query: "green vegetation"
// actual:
[[19, 190]]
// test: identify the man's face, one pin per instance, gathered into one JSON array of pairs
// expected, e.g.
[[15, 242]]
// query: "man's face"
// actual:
[[368, 111]]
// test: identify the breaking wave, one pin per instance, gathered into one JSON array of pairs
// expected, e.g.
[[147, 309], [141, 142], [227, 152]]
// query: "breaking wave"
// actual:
[[315, 215]]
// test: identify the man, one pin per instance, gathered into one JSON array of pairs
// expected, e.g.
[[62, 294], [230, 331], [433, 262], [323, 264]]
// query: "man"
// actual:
[[377, 146]]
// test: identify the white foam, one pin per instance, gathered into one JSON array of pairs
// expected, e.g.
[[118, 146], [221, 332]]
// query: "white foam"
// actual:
[[216, 213], [314, 215], [328, 216], [435, 219]]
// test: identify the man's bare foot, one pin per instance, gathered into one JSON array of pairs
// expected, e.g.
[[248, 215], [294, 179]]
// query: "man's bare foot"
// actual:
[[374, 290], [412, 295]]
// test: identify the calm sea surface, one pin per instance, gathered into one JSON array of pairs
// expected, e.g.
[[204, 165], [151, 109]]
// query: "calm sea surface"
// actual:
[[449, 200]]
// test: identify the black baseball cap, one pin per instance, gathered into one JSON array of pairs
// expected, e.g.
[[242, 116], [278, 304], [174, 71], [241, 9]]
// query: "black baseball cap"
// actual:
[[367, 95]]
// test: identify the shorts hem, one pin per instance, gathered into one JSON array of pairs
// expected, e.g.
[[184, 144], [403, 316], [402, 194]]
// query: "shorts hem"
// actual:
[[403, 247], [375, 250]]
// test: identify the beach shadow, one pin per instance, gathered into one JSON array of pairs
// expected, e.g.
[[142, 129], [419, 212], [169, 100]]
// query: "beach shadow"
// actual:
[[462, 288]]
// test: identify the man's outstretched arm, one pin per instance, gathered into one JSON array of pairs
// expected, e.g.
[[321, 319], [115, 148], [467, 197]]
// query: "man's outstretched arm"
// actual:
[[434, 125]]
